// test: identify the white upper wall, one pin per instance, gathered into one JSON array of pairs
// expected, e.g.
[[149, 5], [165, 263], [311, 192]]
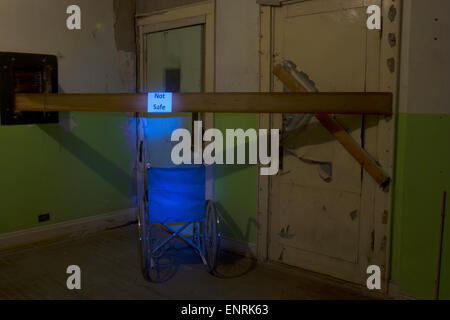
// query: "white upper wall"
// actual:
[[425, 62], [88, 59], [237, 45]]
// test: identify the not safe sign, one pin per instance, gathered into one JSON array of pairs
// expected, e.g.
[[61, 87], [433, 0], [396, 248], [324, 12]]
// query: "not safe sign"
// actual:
[[159, 102]]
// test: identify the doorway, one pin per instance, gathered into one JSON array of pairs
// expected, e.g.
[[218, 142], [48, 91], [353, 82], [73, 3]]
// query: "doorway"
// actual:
[[168, 60], [173, 63]]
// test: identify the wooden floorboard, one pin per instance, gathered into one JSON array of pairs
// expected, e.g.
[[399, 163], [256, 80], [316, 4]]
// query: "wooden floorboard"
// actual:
[[110, 270]]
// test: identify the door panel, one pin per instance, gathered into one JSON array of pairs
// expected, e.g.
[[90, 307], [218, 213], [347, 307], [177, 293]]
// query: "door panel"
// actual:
[[315, 202], [174, 62]]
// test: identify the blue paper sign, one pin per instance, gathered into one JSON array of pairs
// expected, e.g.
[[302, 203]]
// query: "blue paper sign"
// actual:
[[159, 102]]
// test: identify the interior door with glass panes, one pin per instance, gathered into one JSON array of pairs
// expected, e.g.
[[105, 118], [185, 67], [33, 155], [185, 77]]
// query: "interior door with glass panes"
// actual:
[[173, 63]]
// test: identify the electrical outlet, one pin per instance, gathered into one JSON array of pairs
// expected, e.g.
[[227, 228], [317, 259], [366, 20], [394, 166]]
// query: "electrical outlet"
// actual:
[[44, 217]]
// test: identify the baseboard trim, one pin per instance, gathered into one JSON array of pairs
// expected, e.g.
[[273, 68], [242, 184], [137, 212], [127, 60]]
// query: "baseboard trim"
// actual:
[[239, 247], [66, 230]]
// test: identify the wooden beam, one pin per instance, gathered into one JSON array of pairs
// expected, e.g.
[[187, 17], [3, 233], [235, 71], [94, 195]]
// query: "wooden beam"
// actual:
[[317, 103], [344, 138]]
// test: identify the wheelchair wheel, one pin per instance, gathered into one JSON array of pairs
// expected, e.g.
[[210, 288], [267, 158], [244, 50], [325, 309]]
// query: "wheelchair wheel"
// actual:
[[144, 240], [211, 237], [155, 266]]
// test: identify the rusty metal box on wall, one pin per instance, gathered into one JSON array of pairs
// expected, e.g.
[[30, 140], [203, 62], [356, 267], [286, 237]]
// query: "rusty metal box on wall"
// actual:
[[26, 73]]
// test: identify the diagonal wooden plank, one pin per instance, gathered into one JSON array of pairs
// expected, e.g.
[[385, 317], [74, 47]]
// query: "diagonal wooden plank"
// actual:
[[344, 138]]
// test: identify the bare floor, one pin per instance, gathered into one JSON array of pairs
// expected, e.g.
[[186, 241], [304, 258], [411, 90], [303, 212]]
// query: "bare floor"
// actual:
[[110, 268]]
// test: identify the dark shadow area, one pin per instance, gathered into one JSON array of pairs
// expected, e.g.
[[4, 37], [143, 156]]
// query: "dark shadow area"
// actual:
[[230, 264], [177, 253], [165, 267], [98, 163], [315, 134]]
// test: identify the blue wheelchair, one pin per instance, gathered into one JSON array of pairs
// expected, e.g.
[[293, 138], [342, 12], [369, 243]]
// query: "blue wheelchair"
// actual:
[[175, 200]]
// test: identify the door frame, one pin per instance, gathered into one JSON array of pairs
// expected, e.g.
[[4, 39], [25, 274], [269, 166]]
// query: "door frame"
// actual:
[[172, 18], [379, 140], [178, 17]]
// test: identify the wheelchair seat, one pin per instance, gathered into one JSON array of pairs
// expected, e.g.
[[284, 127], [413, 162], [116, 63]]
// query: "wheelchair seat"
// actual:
[[176, 194]]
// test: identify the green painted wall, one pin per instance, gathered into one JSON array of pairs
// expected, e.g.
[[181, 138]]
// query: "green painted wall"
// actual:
[[237, 70], [422, 172], [46, 169], [236, 186]]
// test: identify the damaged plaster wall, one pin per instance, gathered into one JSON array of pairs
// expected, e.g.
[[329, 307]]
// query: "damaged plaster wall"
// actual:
[[84, 165], [125, 38], [124, 30]]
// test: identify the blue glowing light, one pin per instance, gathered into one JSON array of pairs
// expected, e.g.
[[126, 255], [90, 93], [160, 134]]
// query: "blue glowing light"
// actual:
[[159, 102], [176, 194]]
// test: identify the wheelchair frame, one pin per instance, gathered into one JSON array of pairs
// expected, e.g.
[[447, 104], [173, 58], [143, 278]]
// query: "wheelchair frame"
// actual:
[[205, 238]]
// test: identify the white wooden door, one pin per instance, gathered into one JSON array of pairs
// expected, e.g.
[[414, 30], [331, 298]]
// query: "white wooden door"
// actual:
[[317, 220]]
